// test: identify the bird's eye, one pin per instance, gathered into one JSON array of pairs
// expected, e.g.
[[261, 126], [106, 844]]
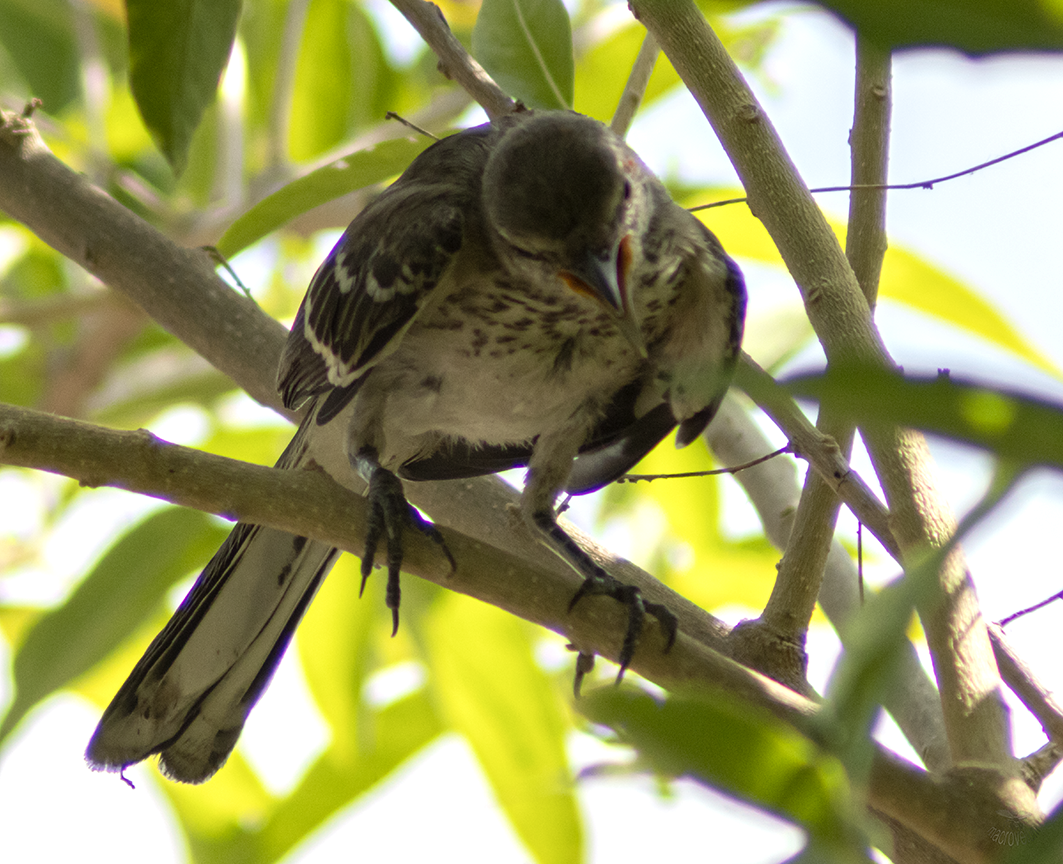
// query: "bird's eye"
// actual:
[[627, 190]]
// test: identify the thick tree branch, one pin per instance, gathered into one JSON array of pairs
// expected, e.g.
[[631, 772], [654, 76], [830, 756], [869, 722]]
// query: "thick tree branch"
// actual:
[[975, 715], [772, 487], [309, 502], [784, 621]]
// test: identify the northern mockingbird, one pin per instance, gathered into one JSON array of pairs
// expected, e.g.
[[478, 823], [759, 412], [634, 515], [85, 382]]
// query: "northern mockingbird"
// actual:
[[526, 294]]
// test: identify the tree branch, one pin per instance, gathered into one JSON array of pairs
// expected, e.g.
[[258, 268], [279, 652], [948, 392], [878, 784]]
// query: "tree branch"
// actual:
[[821, 451], [772, 487], [975, 714], [1039, 700], [454, 60], [310, 503], [784, 622], [635, 86]]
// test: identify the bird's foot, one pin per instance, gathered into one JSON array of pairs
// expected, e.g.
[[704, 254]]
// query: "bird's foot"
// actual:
[[597, 582], [602, 584], [390, 514]]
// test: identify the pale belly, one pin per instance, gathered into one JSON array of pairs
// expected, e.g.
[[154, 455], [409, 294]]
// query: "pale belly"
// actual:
[[504, 391]]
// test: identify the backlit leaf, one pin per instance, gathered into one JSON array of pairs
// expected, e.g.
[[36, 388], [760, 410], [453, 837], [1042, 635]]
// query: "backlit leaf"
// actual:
[[526, 45], [734, 747], [177, 52], [974, 26], [360, 169], [490, 688]]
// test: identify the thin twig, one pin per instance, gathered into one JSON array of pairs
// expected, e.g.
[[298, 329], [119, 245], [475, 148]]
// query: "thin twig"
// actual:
[[1038, 699], [860, 558], [1004, 622], [454, 60], [635, 88], [919, 184], [223, 262], [734, 469], [391, 115]]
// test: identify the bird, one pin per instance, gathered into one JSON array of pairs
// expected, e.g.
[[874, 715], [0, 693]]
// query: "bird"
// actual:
[[526, 294]]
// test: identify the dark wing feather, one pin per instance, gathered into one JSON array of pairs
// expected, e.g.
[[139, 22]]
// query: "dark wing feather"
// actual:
[[384, 268], [457, 460]]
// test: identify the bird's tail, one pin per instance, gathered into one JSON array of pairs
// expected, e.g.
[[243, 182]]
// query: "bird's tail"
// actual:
[[188, 697]]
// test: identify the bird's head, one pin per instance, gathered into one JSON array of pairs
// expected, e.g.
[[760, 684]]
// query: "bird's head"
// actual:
[[561, 189]]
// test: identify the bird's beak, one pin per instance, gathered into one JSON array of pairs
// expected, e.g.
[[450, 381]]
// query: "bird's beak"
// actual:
[[604, 278]]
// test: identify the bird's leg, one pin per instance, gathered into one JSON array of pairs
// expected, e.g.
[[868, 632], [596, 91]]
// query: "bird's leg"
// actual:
[[597, 582], [389, 515], [547, 472]]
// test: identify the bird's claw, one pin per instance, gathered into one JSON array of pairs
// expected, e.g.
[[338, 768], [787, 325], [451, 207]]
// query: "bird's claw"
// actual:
[[606, 586], [389, 515], [584, 664]]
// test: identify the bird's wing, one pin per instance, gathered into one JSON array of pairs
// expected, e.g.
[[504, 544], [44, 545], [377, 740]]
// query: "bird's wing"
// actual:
[[384, 269]]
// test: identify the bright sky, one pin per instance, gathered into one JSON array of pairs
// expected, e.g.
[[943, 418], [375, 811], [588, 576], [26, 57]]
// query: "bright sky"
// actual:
[[998, 230]]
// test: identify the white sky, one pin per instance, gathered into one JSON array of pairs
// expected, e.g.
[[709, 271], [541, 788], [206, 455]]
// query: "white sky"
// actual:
[[998, 230]]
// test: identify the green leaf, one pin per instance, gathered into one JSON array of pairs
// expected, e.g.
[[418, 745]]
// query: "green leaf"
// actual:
[[740, 749], [1020, 429], [604, 69], [511, 715], [974, 26], [123, 588], [342, 78], [177, 52], [39, 37], [335, 649], [401, 730], [526, 45], [323, 81], [347, 174]]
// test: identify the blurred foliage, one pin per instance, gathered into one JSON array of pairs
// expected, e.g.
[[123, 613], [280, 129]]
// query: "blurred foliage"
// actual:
[[268, 167], [1020, 430], [756, 756], [975, 26]]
